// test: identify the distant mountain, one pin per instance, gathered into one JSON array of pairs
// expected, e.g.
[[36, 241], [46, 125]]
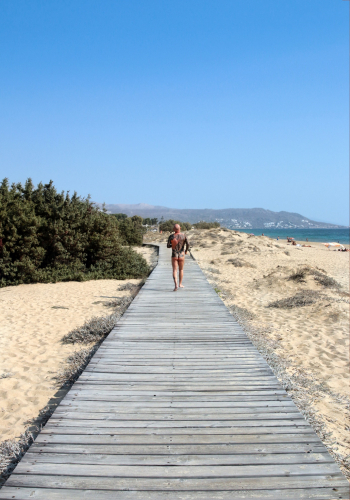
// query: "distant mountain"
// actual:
[[232, 218]]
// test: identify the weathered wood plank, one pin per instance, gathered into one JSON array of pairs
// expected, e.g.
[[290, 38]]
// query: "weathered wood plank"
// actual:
[[277, 494], [184, 449], [155, 438], [173, 424], [181, 471], [157, 416], [173, 431], [201, 484], [180, 405], [102, 459]]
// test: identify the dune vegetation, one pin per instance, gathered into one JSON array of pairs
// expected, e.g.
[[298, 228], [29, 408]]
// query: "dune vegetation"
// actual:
[[47, 236]]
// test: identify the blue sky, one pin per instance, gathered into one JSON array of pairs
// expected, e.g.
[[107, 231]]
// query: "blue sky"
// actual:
[[186, 103]]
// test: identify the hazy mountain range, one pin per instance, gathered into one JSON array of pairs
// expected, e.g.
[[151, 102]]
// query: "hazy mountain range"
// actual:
[[229, 217]]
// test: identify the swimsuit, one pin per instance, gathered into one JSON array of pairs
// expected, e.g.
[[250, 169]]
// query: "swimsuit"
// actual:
[[177, 243]]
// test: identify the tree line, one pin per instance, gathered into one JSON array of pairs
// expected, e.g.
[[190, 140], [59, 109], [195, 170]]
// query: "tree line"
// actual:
[[47, 236], [169, 224]]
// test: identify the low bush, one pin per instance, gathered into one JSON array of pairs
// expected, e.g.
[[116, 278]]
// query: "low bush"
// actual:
[[298, 277], [319, 276], [131, 230], [93, 331], [46, 236], [168, 225], [301, 299], [75, 365], [206, 225]]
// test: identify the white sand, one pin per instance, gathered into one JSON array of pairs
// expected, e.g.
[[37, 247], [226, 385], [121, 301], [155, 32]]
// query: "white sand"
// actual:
[[33, 320]]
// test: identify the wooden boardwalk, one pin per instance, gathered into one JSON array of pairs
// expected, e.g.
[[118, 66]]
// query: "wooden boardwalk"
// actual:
[[177, 404]]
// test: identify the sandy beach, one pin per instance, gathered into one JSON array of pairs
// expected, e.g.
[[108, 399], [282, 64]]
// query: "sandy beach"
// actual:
[[33, 319], [308, 345]]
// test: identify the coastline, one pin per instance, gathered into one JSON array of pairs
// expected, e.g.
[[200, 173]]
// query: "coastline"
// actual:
[[314, 235]]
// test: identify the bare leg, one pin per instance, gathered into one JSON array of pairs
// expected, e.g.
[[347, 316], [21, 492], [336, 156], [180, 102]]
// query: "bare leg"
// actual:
[[181, 272], [174, 263]]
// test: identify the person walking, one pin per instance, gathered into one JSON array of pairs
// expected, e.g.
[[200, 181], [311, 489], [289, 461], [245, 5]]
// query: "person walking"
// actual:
[[179, 245]]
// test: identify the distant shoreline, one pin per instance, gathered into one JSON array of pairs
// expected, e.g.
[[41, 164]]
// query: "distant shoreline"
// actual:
[[300, 235]]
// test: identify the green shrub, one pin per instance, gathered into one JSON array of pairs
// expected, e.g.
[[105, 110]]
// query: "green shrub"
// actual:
[[120, 216], [168, 225], [131, 230], [206, 225], [46, 236]]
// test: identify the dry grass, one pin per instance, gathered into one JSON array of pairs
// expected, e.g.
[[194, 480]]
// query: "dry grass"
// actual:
[[240, 263], [298, 277], [326, 281], [96, 329], [301, 299], [129, 287], [75, 365], [93, 331], [11, 452], [319, 276], [119, 304]]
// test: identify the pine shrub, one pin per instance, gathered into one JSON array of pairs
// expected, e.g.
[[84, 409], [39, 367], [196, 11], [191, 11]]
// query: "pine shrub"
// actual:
[[206, 225], [168, 225], [46, 236]]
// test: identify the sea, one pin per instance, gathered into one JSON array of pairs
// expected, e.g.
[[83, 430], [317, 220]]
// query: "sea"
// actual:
[[319, 235]]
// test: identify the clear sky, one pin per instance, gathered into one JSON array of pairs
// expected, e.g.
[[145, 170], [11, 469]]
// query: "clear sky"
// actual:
[[186, 103]]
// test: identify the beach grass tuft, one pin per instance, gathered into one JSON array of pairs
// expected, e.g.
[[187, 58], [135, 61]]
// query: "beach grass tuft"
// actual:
[[327, 281], [131, 287], [301, 299], [11, 451], [92, 331], [240, 263], [119, 304], [298, 276], [75, 365], [319, 276]]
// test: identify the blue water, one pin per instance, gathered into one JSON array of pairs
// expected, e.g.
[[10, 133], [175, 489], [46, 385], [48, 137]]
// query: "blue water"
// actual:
[[322, 235]]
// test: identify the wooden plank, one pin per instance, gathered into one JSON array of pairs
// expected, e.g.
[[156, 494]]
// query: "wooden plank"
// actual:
[[194, 471], [181, 405], [173, 424], [201, 484], [212, 460], [173, 431], [277, 494], [282, 438], [157, 416], [76, 409], [183, 449]]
